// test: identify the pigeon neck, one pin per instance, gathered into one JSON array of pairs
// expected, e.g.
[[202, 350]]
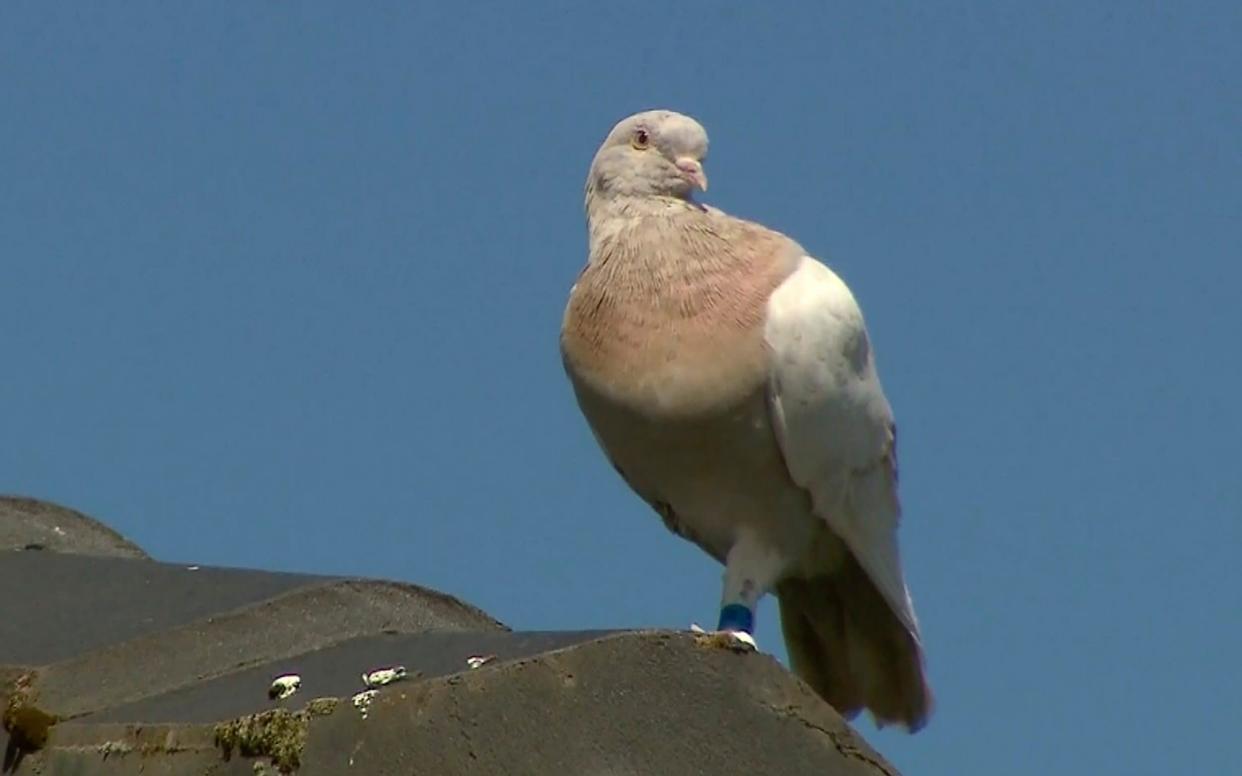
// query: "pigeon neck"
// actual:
[[609, 217]]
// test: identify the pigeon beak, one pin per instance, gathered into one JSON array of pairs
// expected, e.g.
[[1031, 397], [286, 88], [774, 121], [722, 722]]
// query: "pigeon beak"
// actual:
[[692, 170]]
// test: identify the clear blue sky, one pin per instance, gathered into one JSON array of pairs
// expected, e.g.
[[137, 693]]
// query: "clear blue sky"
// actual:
[[282, 285]]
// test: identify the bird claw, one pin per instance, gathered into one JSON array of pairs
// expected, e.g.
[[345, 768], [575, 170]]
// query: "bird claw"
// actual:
[[737, 641]]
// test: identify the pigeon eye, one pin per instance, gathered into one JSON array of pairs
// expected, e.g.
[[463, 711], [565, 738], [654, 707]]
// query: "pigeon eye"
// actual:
[[641, 139]]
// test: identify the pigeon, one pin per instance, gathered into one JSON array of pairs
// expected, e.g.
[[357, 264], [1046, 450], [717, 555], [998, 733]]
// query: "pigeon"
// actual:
[[728, 377]]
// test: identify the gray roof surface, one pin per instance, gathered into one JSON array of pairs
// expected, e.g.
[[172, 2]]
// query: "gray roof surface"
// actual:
[[114, 663]]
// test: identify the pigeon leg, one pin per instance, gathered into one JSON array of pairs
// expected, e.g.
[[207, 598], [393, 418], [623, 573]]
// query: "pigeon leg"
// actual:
[[751, 569]]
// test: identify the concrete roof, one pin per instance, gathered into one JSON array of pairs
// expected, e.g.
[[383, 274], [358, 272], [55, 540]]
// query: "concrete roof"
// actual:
[[113, 663]]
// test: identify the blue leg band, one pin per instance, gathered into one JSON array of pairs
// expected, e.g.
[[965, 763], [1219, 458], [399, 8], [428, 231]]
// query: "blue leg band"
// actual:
[[736, 617]]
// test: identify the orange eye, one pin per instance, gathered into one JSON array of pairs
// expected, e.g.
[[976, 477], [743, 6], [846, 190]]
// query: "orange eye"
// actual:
[[640, 140]]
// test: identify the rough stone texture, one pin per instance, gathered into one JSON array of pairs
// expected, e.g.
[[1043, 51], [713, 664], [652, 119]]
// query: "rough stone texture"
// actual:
[[124, 665], [637, 703], [27, 523], [335, 670], [632, 703]]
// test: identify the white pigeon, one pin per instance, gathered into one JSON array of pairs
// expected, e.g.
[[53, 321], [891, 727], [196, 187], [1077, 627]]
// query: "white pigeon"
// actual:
[[729, 378]]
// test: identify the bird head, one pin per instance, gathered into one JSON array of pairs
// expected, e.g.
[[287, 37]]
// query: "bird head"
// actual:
[[656, 153]]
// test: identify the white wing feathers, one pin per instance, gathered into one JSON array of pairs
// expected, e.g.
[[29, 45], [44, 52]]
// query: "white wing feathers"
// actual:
[[833, 424]]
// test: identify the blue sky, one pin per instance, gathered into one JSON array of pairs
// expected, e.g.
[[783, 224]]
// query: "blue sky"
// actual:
[[283, 283]]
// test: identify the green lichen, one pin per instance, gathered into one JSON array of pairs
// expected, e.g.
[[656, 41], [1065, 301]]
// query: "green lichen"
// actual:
[[278, 734], [321, 707], [27, 725], [109, 748]]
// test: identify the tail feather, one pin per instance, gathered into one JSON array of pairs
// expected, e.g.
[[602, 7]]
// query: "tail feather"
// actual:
[[846, 643]]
